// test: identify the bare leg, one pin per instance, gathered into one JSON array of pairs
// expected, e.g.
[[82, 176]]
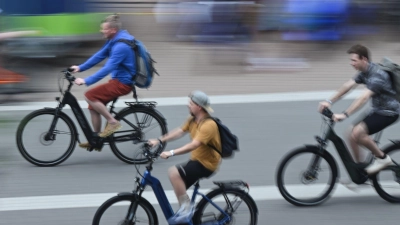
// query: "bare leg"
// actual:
[[365, 140], [354, 145], [102, 109], [178, 185], [96, 120]]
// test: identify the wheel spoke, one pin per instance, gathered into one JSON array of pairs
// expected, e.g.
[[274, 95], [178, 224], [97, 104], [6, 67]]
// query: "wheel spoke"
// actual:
[[116, 211], [387, 181], [137, 125], [306, 178], [37, 147], [234, 202], [146, 120], [61, 132]]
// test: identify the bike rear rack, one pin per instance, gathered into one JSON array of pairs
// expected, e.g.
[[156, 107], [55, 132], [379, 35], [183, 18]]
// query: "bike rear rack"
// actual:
[[145, 104]]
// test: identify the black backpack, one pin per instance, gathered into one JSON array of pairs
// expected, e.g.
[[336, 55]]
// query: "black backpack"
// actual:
[[229, 141], [393, 70]]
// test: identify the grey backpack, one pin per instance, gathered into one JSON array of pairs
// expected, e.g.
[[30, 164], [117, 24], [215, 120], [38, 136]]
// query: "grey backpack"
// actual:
[[393, 70]]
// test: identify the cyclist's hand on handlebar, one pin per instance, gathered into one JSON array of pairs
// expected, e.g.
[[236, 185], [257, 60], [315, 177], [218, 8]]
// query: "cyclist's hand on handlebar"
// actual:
[[339, 117], [153, 142], [75, 69], [79, 81], [323, 105], [165, 155]]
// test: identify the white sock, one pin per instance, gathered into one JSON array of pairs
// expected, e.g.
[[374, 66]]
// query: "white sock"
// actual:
[[184, 200]]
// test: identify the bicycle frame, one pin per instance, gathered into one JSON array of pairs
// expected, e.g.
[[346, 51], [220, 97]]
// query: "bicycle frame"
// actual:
[[93, 138], [70, 100], [155, 184], [356, 170]]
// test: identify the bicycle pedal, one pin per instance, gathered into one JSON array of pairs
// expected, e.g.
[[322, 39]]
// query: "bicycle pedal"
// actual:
[[96, 149]]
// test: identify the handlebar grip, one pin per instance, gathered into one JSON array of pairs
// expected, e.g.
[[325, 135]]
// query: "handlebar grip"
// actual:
[[147, 151], [327, 112], [70, 69]]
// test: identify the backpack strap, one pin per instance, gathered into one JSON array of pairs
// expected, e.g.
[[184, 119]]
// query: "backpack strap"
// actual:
[[133, 46], [201, 122], [131, 43]]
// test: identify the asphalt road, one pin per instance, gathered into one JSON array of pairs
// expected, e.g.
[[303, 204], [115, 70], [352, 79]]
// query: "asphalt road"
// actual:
[[267, 131]]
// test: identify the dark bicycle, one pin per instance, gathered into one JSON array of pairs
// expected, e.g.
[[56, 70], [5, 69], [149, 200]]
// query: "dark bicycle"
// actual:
[[228, 203], [47, 137], [318, 172]]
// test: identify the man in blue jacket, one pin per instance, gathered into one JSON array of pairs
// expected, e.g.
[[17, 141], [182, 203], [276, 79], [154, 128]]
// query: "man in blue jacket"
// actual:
[[120, 60]]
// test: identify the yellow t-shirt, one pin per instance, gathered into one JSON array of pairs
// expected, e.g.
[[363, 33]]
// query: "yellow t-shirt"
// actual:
[[207, 133]]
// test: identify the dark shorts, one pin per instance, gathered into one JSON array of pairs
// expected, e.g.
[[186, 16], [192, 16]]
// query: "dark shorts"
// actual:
[[107, 92], [193, 171], [376, 122]]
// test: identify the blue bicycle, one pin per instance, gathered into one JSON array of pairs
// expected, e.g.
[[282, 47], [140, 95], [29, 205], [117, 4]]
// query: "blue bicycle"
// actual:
[[225, 204]]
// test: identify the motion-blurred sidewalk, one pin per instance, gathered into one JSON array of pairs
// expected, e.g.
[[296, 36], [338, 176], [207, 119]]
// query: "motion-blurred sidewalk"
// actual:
[[183, 67]]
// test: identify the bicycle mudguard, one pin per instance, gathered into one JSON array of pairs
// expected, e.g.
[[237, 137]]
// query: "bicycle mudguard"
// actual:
[[356, 171], [127, 194], [234, 183], [136, 196], [160, 115]]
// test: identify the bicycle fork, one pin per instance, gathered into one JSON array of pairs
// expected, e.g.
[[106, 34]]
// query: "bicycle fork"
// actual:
[[311, 174], [50, 136], [130, 215]]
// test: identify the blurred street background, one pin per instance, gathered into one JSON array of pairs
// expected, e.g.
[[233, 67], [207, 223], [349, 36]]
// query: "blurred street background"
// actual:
[[230, 48], [222, 47]]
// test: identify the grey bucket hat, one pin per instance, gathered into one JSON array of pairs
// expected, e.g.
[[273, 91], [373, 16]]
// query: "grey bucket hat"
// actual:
[[201, 99]]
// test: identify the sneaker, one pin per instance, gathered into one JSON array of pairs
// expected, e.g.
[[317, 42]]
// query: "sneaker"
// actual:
[[87, 146], [183, 215], [379, 164], [110, 129]]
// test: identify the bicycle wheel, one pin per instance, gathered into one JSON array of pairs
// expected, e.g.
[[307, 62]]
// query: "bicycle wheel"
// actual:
[[387, 181], [138, 124], [115, 211], [236, 203], [316, 184], [31, 138]]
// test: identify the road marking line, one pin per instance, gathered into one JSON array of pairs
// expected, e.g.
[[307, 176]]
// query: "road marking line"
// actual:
[[215, 99], [259, 193]]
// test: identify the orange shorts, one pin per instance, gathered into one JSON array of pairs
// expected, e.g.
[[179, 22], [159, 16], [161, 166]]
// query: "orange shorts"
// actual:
[[107, 92]]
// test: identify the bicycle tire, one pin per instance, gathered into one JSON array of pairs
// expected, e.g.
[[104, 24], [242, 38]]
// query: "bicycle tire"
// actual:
[[148, 208], [23, 149], [246, 198], [376, 182], [121, 116], [281, 169]]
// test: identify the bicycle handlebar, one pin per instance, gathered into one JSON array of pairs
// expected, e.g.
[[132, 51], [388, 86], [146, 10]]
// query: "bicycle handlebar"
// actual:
[[68, 75], [327, 112], [147, 153]]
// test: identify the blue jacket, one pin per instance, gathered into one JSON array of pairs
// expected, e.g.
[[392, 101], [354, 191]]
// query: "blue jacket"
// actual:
[[118, 54]]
